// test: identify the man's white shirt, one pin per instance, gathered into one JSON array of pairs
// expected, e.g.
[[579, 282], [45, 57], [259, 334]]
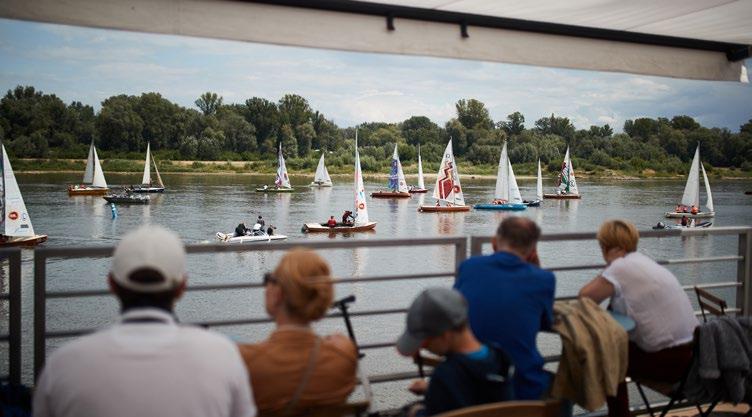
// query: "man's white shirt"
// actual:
[[146, 365]]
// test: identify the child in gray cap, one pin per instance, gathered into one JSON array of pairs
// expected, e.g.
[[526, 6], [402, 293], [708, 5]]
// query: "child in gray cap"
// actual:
[[471, 374]]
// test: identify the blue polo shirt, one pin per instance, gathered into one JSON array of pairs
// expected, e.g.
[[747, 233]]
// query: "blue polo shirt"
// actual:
[[510, 301]]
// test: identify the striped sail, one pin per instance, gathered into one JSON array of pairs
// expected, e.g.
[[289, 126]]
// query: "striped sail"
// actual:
[[448, 186]]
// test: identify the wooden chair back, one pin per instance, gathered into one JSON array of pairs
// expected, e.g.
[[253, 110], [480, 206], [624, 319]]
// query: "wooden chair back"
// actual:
[[356, 409], [509, 409], [710, 303]]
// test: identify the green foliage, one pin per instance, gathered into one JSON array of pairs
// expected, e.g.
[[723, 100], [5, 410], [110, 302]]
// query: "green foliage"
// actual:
[[209, 103], [38, 125]]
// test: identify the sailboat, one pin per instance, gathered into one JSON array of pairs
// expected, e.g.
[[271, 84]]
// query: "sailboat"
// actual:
[[421, 188], [538, 190], [567, 185], [282, 182], [691, 197], [94, 182], [15, 223], [146, 185], [322, 178], [507, 194], [397, 184], [447, 188], [361, 223]]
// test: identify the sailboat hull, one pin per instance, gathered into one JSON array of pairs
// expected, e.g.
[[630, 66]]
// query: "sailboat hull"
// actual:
[[6, 241], [320, 228], [389, 194], [416, 190], [534, 203], [443, 209], [275, 190], [563, 196], [321, 184], [508, 207], [74, 190], [700, 215], [142, 189]]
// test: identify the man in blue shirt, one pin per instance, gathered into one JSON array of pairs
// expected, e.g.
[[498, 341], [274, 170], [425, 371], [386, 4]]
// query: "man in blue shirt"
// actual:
[[510, 300]]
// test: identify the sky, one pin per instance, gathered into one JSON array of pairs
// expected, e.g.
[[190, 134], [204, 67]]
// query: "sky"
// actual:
[[89, 65]]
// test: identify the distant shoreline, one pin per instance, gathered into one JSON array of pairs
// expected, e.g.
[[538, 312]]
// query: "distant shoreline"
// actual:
[[130, 167]]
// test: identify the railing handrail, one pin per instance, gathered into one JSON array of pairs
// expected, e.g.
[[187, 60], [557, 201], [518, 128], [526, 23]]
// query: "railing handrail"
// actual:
[[13, 298]]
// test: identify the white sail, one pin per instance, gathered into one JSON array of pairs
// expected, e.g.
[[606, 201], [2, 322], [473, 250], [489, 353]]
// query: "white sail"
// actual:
[[691, 195], [146, 180], [361, 208], [448, 186], [282, 180], [567, 182], [98, 174], [396, 175], [16, 221], [709, 202], [322, 175], [156, 171], [89, 171], [539, 184], [514, 189], [502, 176], [421, 182]]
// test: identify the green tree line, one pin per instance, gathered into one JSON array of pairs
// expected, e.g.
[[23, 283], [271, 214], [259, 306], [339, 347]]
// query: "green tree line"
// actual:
[[38, 125]]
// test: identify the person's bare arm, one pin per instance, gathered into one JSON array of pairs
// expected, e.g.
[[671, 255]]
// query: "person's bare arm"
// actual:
[[598, 289]]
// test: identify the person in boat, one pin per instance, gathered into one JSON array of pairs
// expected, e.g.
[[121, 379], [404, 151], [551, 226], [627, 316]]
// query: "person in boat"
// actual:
[[261, 221], [684, 221], [692, 223], [347, 218], [511, 301], [694, 210], [270, 230], [331, 222], [131, 367], [295, 368], [241, 230], [498, 201], [472, 373], [660, 346], [257, 230]]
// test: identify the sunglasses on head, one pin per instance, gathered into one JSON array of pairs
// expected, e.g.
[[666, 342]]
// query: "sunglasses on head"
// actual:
[[269, 278]]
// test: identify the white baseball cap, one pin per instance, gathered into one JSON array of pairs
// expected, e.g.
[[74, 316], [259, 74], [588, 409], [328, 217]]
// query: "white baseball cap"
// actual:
[[152, 247]]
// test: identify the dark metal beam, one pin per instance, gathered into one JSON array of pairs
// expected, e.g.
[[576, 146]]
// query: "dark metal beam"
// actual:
[[734, 52]]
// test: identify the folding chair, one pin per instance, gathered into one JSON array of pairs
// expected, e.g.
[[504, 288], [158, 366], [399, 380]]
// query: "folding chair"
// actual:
[[711, 303], [509, 409], [674, 391]]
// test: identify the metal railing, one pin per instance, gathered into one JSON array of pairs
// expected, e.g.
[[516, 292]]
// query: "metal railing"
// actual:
[[41, 295], [742, 258], [13, 298]]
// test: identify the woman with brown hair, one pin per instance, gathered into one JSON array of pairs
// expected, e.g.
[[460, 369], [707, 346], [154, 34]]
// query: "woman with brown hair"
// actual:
[[660, 345], [296, 369]]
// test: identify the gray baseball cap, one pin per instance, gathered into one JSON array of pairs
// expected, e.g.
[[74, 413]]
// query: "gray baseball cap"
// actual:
[[433, 312]]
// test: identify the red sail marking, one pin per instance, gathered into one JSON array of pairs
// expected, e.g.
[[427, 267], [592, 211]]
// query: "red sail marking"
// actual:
[[447, 183]]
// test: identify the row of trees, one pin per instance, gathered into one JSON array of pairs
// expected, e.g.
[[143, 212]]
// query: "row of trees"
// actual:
[[34, 124]]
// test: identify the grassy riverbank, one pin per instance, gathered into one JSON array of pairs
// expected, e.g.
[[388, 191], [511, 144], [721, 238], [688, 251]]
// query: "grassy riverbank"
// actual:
[[270, 167]]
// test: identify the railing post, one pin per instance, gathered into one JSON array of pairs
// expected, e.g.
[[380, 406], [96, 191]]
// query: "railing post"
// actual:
[[460, 253], [40, 311], [14, 317], [744, 273], [476, 246]]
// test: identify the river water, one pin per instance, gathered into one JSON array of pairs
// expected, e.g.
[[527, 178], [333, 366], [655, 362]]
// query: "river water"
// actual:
[[198, 206]]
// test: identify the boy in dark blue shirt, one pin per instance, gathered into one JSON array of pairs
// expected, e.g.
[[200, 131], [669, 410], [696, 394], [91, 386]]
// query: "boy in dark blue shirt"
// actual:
[[472, 373]]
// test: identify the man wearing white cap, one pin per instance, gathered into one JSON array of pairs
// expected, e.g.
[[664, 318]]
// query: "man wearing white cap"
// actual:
[[146, 364]]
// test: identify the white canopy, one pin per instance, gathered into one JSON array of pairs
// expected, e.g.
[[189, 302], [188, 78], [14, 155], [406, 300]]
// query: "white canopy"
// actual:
[[695, 39]]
